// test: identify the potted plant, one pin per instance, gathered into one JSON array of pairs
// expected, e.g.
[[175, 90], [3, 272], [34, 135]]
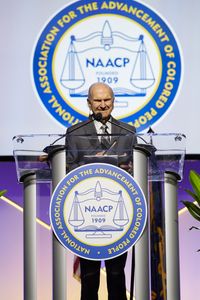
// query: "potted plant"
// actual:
[[2, 192], [194, 208]]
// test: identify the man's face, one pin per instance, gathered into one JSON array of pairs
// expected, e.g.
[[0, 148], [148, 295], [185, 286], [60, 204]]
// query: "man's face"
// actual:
[[101, 101]]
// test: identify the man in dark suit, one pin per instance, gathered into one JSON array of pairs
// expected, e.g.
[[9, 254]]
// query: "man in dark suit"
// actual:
[[83, 141]]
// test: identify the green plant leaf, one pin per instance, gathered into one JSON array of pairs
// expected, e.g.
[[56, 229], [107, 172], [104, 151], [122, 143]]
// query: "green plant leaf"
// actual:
[[193, 209], [194, 196], [195, 182], [2, 192]]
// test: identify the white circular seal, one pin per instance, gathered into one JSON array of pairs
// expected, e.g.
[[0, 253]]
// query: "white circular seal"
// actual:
[[98, 211]]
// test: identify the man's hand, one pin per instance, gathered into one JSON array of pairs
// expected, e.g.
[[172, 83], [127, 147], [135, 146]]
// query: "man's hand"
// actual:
[[127, 167], [42, 158]]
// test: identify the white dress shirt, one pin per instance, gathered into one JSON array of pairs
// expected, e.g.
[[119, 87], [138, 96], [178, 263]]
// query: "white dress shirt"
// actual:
[[98, 126]]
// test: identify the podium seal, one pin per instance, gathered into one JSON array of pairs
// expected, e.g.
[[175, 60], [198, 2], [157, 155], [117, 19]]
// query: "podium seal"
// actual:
[[98, 211]]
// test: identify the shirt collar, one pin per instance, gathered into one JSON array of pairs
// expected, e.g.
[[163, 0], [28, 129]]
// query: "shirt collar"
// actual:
[[99, 124]]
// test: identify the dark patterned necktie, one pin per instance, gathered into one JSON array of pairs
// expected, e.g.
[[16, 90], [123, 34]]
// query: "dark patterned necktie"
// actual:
[[105, 138]]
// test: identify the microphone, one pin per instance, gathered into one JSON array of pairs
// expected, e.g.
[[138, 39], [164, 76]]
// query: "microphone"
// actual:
[[100, 118], [93, 117], [97, 117]]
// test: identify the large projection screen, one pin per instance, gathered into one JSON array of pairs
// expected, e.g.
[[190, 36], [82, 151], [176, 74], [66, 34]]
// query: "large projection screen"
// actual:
[[23, 113]]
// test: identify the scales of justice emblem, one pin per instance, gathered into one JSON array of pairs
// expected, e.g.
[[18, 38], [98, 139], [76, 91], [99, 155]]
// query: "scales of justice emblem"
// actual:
[[112, 57], [98, 212]]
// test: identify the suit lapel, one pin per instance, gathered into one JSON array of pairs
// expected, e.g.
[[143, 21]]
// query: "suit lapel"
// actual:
[[90, 130], [115, 131]]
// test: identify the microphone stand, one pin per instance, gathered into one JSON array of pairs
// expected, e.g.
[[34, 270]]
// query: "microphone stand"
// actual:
[[131, 131], [93, 117]]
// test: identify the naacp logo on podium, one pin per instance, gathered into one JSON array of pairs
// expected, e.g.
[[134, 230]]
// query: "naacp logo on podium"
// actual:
[[124, 44], [98, 211]]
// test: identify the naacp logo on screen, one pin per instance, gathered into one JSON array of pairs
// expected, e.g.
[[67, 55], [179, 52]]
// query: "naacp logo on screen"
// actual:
[[98, 211], [124, 44]]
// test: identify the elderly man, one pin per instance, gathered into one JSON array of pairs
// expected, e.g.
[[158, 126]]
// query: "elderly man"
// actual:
[[101, 103]]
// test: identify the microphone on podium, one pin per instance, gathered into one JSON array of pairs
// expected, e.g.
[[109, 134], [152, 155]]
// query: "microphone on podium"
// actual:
[[48, 149], [121, 126], [97, 117]]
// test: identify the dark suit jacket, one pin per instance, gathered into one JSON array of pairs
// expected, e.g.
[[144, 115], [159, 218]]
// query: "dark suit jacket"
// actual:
[[82, 141]]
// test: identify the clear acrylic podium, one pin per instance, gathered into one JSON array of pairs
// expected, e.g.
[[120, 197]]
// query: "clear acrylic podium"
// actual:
[[156, 158]]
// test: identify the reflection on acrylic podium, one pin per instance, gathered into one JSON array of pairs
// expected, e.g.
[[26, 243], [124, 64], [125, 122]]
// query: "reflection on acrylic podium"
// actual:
[[157, 167]]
